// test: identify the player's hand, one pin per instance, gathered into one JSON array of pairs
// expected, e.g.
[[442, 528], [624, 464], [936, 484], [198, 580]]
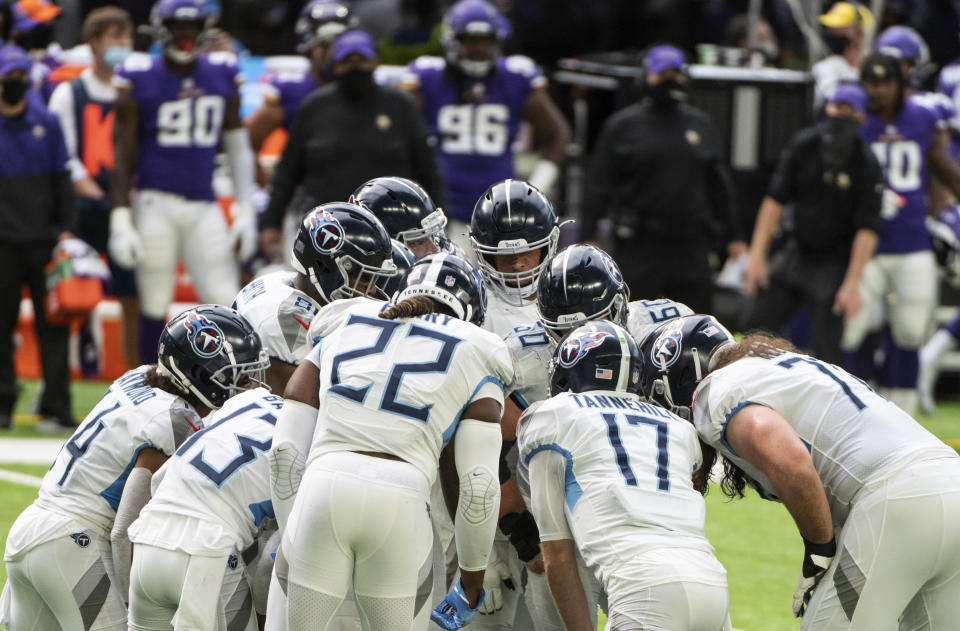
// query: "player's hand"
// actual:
[[271, 244], [848, 300], [87, 187], [455, 611], [817, 558], [495, 579], [756, 275], [521, 529], [535, 564], [124, 245], [243, 230]]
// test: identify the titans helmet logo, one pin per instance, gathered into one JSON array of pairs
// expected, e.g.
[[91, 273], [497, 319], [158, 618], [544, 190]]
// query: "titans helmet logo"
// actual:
[[326, 233], [205, 336], [666, 349], [612, 268], [575, 348]]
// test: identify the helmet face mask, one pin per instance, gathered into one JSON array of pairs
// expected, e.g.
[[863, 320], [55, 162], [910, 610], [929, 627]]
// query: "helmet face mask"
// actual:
[[212, 353], [599, 355], [173, 21], [404, 259], [344, 251], [405, 210], [321, 22], [512, 217], [463, 25], [450, 280]]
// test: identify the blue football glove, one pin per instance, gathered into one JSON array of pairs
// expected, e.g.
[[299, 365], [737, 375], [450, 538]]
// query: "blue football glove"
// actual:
[[455, 611]]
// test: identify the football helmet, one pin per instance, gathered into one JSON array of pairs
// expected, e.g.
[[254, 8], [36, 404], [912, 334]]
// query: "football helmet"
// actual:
[[167, 12], [581, 283], [448, 279], [211, 352], [676, 358], [404, 209], [904, 43], [472, 17], [343, 249], [513, 217], [404, 259], [945, 231], [320, 22], [599, 355]]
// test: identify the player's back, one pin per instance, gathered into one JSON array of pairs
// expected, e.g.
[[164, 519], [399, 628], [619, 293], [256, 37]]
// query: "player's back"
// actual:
[[400, 386], [646, 315], [89, 474], [280, 314], [629, 468], [855, 436], [220, 477]]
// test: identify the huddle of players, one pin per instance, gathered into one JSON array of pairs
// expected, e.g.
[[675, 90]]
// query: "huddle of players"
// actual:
[[611, 474]]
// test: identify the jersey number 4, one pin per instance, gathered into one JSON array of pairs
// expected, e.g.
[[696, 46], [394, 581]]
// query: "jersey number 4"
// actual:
[[623, 459]]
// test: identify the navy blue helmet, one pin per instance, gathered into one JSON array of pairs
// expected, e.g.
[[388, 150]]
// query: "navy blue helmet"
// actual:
[[676, 358], [599, 355], [581, 283], [211, 352], [448, 279], [472, 17], [404, 259], [403, 207], [513, 217], [166, 12], [344, 250], [320, 22]]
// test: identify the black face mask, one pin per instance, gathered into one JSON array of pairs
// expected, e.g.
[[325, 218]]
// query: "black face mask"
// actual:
[[836, 43], [355, 85], [668, 94], [840, 137], [12, 91]]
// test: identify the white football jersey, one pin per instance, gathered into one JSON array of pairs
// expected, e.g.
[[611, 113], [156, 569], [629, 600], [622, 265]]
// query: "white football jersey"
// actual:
[[214, 495], [629, 471], [646, 315], [400, 386], [531, 351], [502, 316], [88, 476], [280, 314], [855, 436]]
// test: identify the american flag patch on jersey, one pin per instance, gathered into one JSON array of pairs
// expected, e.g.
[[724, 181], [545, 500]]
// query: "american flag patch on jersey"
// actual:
[[604, 373]]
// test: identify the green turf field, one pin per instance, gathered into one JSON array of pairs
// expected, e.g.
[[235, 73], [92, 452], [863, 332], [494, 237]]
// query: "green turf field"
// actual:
[[755, 540]]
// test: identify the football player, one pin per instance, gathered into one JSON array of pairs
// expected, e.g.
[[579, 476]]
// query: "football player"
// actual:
[[612, 478], [407, 212], [909, 141], [365, 521], [318, 25], [68, 555], [172, 115], [874, 495], [474, 101]]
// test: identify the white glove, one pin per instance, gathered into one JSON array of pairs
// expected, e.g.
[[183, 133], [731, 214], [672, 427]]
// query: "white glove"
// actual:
[[544, 175], [817, 558], [493, 581], [124, 245], [243, 230]]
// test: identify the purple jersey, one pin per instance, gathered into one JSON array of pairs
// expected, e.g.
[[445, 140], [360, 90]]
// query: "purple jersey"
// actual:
[[180, 120], [901, 148], [288, 89], [948, 83], [474, 135]]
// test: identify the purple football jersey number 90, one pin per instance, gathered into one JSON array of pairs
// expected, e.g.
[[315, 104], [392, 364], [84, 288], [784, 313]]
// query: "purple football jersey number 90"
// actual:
[[190, 122]]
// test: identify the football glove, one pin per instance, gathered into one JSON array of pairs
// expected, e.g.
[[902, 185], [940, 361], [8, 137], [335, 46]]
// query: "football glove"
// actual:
[[455, 611], [494, 579], [243, 230], [817, 558], [124, 245], [521, 528]]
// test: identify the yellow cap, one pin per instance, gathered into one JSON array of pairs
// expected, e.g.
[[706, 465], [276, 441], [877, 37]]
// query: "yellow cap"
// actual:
[[844, 14]]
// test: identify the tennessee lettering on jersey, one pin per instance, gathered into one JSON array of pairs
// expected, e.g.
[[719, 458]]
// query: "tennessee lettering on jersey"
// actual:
[[180, 120], [475, 121]]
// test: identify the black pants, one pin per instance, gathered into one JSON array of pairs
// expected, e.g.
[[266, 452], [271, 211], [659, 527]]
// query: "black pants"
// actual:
[[23, 264], [676, 270], [794, 280]]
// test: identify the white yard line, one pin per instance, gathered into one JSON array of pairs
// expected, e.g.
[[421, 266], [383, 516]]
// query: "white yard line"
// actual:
[[29, 450], [20, 478]]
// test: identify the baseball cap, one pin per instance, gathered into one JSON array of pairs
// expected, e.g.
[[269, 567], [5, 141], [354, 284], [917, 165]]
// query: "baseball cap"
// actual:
[[851, 93], [661, 58], [844, 14], [354, 42], [13, 58]]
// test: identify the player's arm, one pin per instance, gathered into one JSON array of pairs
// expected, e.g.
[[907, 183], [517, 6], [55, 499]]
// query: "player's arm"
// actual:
[[849, 299], [943, 167], [236, 143], [547, 482], [551, 131], [136, 494], [292, 437], [125, 126], [263, 122]]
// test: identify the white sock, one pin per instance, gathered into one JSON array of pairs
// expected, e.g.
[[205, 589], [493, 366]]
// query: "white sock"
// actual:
[[940, 343]]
